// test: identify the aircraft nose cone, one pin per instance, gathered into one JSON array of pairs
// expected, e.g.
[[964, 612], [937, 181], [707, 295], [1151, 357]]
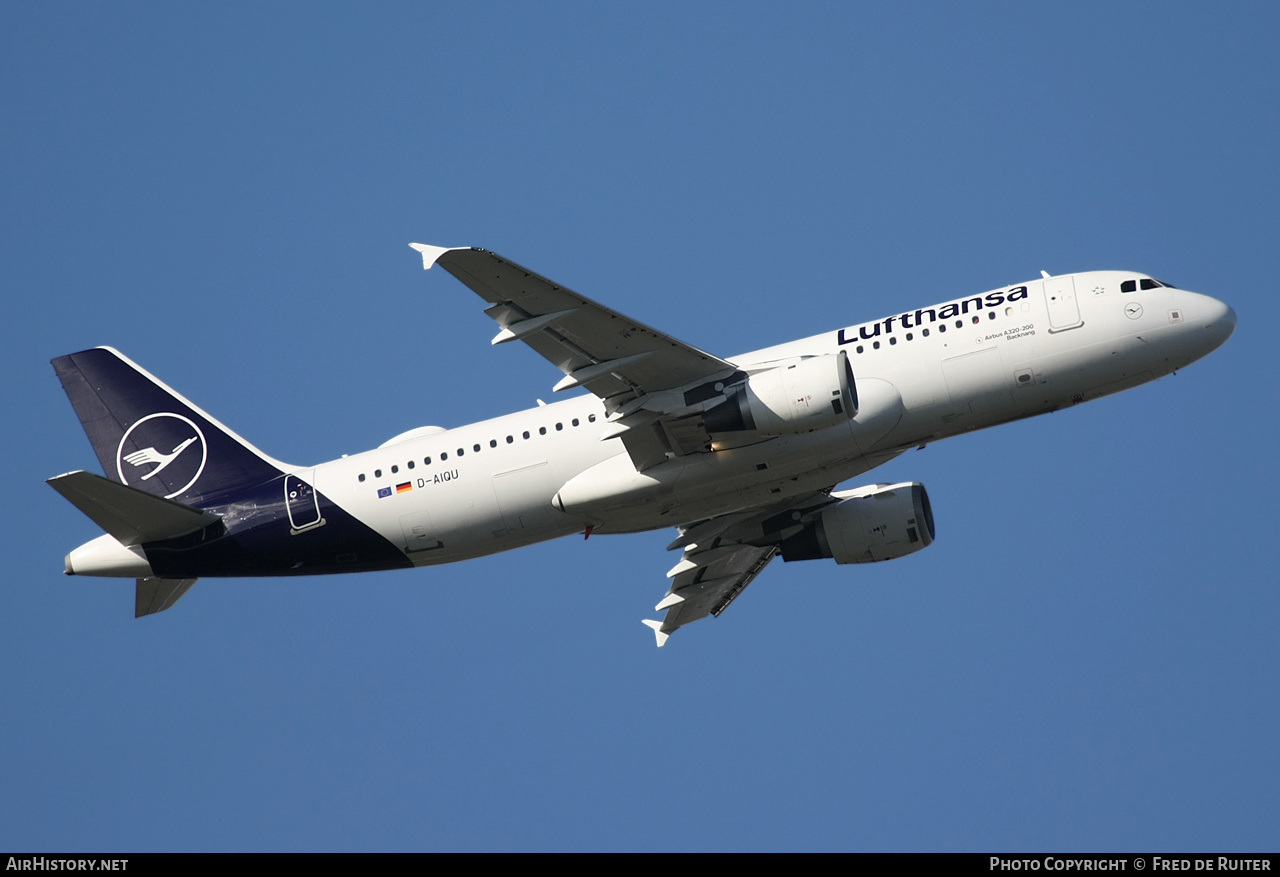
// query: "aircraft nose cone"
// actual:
[[1204, 325], [1228, 321], [1218, 319]]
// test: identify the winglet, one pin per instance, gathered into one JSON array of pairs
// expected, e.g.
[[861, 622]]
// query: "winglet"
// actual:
[[430, 254], [657, 630]]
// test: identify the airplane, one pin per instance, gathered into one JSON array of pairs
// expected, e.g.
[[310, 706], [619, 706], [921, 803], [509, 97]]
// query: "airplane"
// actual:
[[742, 455]]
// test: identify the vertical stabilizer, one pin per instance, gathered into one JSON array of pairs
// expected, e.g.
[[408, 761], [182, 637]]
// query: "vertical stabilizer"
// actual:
[[149, 437]]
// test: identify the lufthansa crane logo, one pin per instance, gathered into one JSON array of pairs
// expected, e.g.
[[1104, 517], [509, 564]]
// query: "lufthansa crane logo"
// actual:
[[168, 445]]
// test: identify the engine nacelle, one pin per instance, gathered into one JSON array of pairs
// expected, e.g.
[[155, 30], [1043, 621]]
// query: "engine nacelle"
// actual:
[[869, 524], [808, 395]]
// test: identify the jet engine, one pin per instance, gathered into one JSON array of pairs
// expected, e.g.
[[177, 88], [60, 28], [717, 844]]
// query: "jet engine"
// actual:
[[868, 524], [805, 396]]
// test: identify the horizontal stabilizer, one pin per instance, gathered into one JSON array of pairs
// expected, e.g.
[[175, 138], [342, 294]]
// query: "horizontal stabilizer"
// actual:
[[132, 516], [156, 595]]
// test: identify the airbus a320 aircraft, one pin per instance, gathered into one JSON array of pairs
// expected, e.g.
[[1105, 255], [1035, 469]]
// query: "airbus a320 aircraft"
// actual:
[[741, 455]]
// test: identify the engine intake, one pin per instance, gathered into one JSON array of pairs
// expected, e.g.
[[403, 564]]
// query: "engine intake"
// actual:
[[805, 396], [868, 525]]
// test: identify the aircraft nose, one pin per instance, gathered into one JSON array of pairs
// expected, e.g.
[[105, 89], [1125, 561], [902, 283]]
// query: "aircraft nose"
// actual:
[[1207, 323], [1218, 319]]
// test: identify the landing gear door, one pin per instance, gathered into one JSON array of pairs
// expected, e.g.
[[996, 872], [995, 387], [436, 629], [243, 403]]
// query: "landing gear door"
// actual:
[[302, 502], [1060, 298]]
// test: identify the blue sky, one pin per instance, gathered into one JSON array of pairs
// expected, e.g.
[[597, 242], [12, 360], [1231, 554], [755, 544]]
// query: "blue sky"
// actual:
[[1086, 658]]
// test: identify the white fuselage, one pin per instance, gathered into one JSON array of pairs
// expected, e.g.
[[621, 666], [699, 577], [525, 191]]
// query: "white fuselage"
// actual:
[[921, 376]]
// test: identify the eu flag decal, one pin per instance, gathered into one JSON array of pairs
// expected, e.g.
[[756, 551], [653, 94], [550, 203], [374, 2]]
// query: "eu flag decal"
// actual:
[[383, 491]]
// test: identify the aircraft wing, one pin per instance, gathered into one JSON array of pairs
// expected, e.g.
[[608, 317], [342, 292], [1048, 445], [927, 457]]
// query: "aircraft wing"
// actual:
[[608, 353], [722, 555], [635, 369]]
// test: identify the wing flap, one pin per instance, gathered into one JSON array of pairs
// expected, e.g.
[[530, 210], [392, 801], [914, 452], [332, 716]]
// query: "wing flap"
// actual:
[[707, 588], [723, 555]]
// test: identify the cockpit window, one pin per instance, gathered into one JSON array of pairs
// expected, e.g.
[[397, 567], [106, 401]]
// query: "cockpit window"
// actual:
[[1144, 283]]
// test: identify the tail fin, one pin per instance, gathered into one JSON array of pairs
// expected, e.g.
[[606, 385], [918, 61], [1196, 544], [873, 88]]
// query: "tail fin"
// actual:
[[149, 437]]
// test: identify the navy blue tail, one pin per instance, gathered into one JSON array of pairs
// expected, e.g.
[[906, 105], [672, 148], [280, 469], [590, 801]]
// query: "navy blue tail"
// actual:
[[149, 437]]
